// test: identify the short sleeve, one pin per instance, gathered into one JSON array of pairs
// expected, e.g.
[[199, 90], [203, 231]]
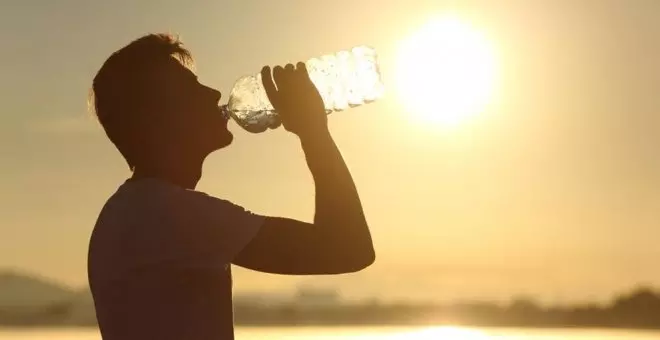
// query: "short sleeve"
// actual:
[[194, 228], [218, 227]]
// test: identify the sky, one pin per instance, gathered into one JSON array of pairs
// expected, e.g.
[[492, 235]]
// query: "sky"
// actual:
[[553, 191]]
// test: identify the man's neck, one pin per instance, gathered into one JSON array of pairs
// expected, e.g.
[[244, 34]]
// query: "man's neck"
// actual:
[[182, 174]]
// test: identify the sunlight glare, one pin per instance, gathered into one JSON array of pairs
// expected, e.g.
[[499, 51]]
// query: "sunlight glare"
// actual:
[[445, 72], [450, 333]]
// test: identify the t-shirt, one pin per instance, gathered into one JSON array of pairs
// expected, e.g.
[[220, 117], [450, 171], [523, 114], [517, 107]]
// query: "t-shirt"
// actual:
[[159, 262]]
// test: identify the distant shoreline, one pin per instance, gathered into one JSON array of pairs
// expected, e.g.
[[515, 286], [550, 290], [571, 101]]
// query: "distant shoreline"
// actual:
[[29, 303], [347, 326]]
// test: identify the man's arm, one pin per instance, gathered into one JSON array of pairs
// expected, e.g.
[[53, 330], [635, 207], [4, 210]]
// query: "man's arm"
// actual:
[[339, 240]]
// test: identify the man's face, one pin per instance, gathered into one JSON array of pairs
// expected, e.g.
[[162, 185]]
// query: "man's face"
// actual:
[[186, 112]]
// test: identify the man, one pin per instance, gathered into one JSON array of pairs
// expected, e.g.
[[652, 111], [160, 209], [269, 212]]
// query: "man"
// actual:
[[160, 253]]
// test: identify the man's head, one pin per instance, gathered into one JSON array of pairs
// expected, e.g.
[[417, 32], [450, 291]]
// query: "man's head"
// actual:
[[151, 105]]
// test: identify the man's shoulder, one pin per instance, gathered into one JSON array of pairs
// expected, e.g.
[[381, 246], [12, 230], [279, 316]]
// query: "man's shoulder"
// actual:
[[152, 192], [135, 201], [144, 215], [151, 198]]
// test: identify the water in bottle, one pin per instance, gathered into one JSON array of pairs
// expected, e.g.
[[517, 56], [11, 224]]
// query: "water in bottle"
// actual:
[[344, 79]]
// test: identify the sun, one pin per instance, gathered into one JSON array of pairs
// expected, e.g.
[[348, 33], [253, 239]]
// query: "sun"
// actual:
[[445, 72]]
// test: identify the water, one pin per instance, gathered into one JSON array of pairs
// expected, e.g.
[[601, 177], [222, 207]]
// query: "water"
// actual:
[[370, 333]]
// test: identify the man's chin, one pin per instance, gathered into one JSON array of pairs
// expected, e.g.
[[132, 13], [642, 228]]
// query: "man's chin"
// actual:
[[225, 140]]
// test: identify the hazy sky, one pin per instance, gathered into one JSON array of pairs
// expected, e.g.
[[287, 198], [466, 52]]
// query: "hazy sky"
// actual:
[[554, 191]]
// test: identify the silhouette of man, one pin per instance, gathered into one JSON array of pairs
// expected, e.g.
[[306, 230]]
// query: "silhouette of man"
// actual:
[[160, 253]]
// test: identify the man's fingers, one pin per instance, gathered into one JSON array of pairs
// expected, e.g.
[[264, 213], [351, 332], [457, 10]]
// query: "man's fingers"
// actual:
[[269, 85], [301, 67], [289, 74], [301, 71], [278, 74]]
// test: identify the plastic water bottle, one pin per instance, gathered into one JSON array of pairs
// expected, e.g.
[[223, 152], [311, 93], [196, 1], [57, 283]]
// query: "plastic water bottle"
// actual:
[[344, 79]]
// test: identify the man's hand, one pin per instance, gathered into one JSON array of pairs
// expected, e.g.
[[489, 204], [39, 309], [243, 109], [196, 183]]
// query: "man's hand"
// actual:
[[296, 99]]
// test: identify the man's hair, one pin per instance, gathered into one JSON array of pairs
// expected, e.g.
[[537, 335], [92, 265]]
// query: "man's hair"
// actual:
[[119, 87]]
